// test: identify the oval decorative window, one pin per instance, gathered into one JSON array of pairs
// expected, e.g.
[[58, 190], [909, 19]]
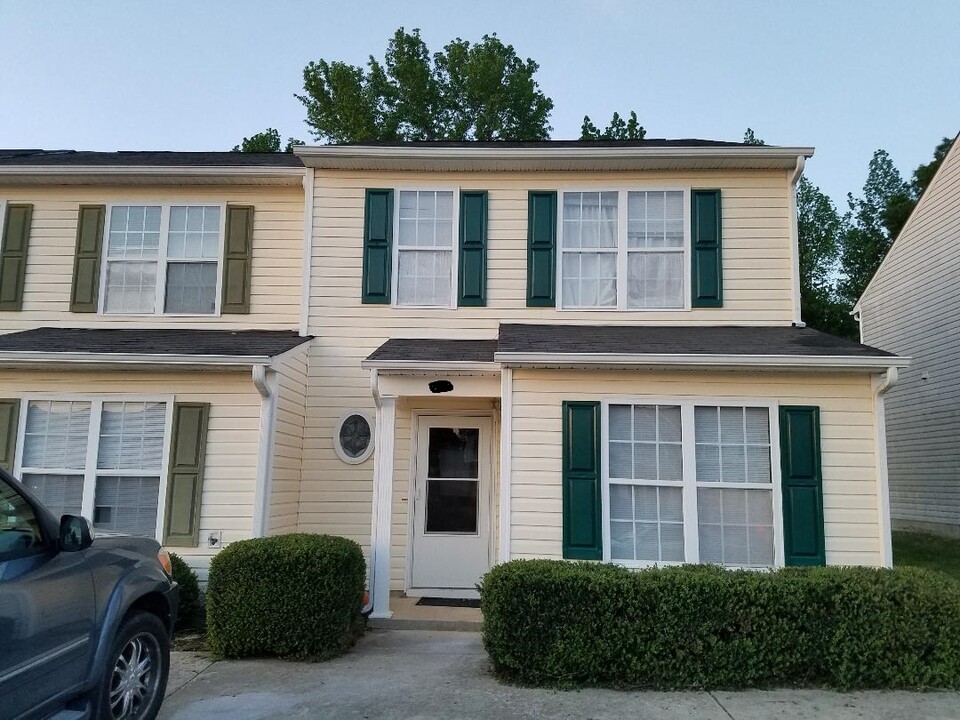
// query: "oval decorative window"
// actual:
[[353, 439]]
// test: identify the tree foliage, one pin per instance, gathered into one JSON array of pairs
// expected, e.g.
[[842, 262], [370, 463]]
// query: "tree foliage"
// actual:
[[470, 91], [267, 141], [750, 138], [618, 129], [902, 204]]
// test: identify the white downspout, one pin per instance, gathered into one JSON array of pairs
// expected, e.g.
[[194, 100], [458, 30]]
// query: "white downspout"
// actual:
[[880, 388], [506, 460], [307, 259], [795, 241], [266, 386], [379, 601]]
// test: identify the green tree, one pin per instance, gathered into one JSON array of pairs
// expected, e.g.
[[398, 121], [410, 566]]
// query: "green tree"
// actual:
[[868, 236], [750, 138], [470, 91], [618, 129], [900, 206], [267, 141]]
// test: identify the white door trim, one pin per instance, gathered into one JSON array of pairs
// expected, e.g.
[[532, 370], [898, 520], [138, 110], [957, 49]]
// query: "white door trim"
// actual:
[[415, 417]]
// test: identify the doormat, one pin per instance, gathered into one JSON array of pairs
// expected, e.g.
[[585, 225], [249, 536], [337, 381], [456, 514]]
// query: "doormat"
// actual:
[[449, 602]]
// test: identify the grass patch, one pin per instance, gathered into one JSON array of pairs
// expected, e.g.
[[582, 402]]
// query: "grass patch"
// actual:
[[933, 552]]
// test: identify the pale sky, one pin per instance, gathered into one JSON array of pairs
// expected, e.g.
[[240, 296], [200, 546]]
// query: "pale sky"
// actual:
[[846, 77]]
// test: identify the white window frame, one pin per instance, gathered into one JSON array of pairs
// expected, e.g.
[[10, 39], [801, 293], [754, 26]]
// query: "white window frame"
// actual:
[[691, 537], [90, 472], [162, 259], [454, 248], [622, 249]]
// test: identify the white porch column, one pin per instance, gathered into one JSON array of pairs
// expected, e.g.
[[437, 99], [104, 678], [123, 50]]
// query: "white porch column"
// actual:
[[382, 508]]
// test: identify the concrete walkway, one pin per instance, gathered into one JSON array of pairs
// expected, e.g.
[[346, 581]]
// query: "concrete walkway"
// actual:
[[421, 675]]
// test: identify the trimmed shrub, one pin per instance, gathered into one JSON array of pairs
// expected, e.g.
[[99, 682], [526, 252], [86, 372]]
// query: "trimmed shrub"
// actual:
[[559, 623], [295, 596], [189, 613]]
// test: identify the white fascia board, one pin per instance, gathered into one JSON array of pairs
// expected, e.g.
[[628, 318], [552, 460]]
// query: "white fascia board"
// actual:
[[161, 170], [430, 366], [800, 362], [65, 358], [361, 156]]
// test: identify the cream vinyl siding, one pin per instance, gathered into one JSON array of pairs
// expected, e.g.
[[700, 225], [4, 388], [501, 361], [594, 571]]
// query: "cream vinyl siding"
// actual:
[[288, 442], [849, 465], [911, 308], [232, 438], [336, 497], [277, 251]]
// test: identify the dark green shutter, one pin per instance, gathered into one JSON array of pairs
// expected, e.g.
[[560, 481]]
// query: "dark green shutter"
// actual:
[[85, 292], [707, 271], [472, 284], [582, 533], [802, 485], [13, 255], [185, 481], [237, 260], [542, 249], [377, 247], [9, 419]]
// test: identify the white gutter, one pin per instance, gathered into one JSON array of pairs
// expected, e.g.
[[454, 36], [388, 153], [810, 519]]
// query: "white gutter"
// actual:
[[150, 170], [880, 446], [430, 366], [830, 362], [379, 587], [307, 259], [31, 357], [795, 241], [266, 384]]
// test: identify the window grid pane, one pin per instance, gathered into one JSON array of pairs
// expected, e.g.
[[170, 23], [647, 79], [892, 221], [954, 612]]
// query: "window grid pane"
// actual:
[[131, 436], [645, 443], [191, 288], [62, 494], [194, 232], [646, 523], [131, 287], [56, 435], [127, 504], [424, 277]]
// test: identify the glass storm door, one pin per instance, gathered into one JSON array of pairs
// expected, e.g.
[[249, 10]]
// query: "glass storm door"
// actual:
[[451, 534]]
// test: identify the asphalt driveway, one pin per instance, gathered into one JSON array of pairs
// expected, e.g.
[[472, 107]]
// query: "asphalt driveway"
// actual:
[[445, 676]]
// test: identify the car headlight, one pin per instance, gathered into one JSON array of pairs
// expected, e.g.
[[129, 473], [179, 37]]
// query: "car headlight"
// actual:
[[164, 558]]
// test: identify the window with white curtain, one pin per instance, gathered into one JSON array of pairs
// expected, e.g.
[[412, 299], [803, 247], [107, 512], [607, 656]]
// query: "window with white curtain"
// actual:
[[162, 259], [623, 249], [115, 480], [690, 482], [425, 247]]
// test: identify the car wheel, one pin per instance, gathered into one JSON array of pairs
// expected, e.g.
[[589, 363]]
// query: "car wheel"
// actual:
[[135, 676]]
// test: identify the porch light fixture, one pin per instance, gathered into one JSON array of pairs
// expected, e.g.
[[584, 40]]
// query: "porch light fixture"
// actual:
[[440, 386]]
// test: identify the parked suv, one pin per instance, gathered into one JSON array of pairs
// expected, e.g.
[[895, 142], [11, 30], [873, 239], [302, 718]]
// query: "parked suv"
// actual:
[[84, 624]]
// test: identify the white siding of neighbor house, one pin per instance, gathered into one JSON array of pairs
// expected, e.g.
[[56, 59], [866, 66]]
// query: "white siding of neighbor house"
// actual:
[[851, 509], [288, 442], [911, 308], [336, 497], [277, 251], [233, 436]]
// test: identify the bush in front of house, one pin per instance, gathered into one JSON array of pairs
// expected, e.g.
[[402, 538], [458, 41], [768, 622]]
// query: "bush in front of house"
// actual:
[[555, 623], [295, 596], [189, 609]]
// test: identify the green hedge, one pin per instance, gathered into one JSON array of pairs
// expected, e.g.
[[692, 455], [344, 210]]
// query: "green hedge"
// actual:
[[296, 596], [558, 623], [189, 610]]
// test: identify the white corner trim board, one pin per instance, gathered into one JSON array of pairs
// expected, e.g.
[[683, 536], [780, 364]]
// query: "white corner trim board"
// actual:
[[506, 461], [307, 259], [795, 241], [880, 389], [382, 502]]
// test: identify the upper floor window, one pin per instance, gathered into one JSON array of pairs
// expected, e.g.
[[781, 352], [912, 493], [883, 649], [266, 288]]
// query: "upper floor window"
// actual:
[[162, 259], [623, 249], [425, 261]]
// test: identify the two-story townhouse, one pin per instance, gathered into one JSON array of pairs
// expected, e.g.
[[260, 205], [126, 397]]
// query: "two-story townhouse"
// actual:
[[588, 351], [152, 372]]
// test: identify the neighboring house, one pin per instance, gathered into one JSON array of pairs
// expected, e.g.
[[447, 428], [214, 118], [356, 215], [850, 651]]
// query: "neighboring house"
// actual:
[[909, 308], [490, 351], [587, 351], [152, 376]]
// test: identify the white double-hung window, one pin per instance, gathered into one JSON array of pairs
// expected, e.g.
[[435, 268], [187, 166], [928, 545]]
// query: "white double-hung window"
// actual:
[[690, 481], [624, 249], [425, 258], [103, 459], [162, 259]]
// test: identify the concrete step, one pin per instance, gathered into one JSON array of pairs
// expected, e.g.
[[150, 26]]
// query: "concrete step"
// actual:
[[396, 623]]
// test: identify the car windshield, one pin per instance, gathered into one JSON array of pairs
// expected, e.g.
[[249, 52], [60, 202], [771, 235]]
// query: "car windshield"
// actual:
[[19, 528]]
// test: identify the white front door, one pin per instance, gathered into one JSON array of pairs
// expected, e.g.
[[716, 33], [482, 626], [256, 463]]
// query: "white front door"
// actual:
[[451, 505]]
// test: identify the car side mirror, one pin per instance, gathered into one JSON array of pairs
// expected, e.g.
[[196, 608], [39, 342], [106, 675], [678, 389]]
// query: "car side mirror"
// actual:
[[76, 533]]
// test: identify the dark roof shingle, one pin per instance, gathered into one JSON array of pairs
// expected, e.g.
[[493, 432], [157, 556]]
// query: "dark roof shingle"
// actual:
[[436, 350], [233, 343], [83, 158]]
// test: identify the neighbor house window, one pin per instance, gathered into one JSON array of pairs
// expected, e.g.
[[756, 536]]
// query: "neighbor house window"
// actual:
[[162, 259], [623, 249], [425, 258], [115, 479], [690, 482]]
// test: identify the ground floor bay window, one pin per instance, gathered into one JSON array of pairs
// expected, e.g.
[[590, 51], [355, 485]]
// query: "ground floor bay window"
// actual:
[[690, 481], [103, 459]]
